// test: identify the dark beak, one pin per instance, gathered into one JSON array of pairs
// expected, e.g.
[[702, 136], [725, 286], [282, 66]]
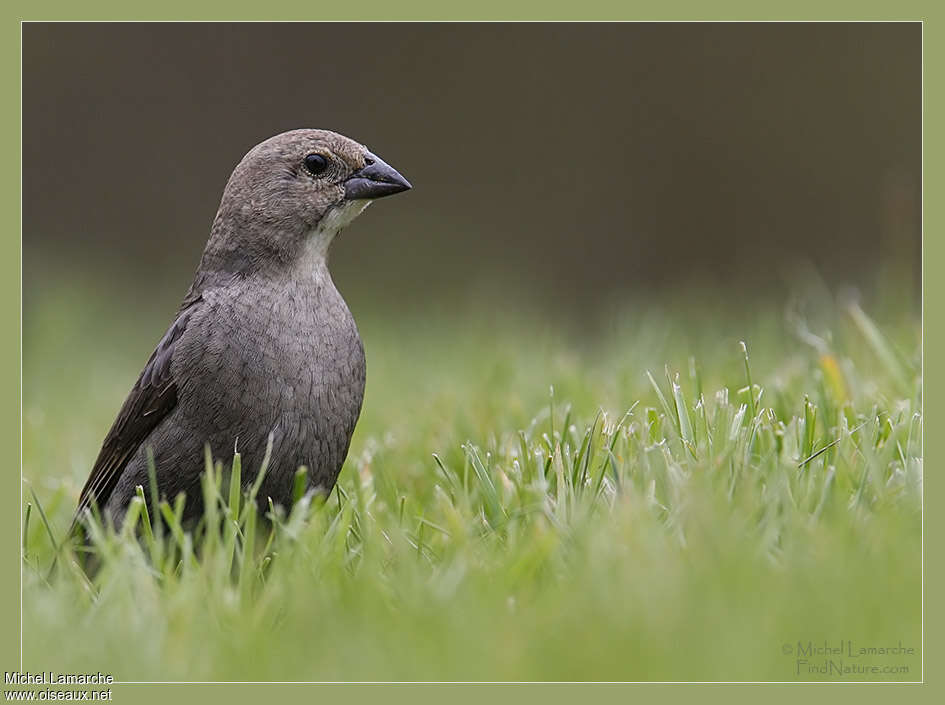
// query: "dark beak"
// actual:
[[376, 180]]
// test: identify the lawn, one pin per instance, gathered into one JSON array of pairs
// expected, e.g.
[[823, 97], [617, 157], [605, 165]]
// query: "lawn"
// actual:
[[669, 487]]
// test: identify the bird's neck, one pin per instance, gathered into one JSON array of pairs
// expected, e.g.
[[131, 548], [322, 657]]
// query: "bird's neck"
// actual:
[[245, 249]]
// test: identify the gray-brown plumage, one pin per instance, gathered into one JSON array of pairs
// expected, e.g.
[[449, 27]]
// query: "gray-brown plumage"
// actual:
[[263, 344]]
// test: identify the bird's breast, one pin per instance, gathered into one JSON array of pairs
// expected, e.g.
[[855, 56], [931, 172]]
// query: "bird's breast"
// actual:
[[277, 357]]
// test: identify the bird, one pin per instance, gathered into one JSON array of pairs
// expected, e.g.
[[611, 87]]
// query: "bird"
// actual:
[[263, 355]]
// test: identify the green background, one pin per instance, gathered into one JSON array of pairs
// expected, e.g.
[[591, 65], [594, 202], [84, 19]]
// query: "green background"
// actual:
[[811, 11]]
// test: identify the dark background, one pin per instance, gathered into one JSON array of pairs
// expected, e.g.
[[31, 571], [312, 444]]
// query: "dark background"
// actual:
[[567, 159]]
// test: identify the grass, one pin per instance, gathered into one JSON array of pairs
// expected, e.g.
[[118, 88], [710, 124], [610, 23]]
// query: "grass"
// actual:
[[673, 490]]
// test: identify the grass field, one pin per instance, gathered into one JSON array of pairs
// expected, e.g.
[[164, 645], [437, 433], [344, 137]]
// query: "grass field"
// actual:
[[673, 510]]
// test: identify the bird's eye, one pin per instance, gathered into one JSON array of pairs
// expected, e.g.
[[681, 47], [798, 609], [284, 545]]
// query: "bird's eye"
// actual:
[[315, 164]]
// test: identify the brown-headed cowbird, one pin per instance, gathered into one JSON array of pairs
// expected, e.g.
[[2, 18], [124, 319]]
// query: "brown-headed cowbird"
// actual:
[[263, 346]]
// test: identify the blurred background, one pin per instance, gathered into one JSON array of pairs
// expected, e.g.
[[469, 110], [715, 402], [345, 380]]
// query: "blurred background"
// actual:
[[573, 163], [591, 202]]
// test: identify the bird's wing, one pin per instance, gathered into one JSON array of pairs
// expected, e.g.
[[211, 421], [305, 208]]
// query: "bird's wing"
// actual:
[[151, 399]]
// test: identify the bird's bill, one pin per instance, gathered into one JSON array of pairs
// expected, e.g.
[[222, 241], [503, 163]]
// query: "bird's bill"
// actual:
[[376, 180]]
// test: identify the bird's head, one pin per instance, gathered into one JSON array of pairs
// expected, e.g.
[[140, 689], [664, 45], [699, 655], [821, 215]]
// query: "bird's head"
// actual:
[[292, 193]]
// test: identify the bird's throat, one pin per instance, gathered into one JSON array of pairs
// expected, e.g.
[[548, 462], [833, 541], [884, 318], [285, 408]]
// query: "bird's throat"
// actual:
[[320, 238], [314, 255]]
